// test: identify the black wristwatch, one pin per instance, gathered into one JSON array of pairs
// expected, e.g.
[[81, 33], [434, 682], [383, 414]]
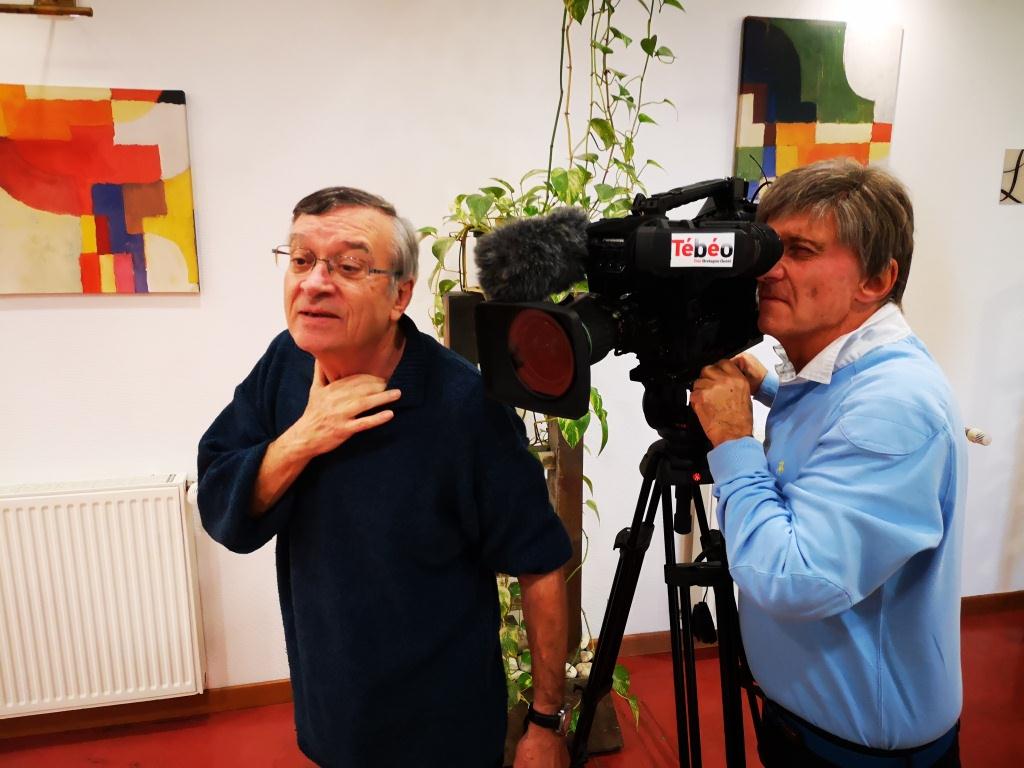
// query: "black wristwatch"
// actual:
[[558, 722]]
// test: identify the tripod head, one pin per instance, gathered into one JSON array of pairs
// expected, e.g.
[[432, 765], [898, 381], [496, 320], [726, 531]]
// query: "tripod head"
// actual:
[[667, 410]]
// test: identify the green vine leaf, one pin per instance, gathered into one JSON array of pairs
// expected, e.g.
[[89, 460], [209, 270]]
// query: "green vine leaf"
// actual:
[[478, 206], [634, 706], [577, 9], [509, 638], [627, 150], [504, 599], [560, 183], [674, 4], [620, 680], [604, 131], [601, 47], [626, 39], [597, 406], [617, 209], [445, 286], [649, 45], [573, 429], [578, 178], [643, 118], [441, 247]]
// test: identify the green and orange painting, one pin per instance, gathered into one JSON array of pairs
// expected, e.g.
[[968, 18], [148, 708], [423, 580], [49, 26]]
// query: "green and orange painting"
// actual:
[[811, 90]]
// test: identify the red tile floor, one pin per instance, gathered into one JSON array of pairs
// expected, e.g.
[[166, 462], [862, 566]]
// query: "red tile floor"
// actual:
[[992, 735]]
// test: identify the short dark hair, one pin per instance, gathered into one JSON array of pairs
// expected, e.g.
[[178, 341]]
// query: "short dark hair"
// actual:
[[405, 249], [870, 208]]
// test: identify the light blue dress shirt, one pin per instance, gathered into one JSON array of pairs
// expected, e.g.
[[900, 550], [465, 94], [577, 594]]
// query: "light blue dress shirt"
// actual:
[[844, 535]]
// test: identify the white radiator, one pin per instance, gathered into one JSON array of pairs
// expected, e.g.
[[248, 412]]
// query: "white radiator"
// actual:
[[99, 600]]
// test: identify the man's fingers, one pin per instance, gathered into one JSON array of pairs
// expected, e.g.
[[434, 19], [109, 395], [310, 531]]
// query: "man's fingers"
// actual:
[[355, 387], [350, 408], [371, 401], [358, 380], [319, 378], [364, 423]]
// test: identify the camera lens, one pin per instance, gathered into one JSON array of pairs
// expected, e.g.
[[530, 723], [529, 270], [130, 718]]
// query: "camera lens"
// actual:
[[541, 352]]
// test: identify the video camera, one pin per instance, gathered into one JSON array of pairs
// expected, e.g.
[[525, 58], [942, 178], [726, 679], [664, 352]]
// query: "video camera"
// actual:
[[680, 294]]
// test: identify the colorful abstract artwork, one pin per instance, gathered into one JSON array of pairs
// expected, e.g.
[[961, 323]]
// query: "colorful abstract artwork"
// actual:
[[811, 90], [95, 192], [1012, 191]]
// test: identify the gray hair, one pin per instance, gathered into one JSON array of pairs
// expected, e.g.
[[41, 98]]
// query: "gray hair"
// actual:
[[405, 254], [870, 208]]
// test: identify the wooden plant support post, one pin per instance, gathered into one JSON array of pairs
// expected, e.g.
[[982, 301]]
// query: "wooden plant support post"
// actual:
[[563, 467]]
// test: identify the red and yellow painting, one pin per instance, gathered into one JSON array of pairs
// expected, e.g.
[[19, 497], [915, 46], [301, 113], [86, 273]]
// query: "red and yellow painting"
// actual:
[[95, 192]]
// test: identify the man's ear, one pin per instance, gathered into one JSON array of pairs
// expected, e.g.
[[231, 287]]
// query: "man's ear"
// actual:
[[403, 294], [874, 290]]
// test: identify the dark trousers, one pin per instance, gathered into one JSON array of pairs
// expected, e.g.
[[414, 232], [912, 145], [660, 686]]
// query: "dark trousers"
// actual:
[[786, 741]]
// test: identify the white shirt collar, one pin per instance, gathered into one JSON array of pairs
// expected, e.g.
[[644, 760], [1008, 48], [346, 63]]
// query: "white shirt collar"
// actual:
[[886, 325]]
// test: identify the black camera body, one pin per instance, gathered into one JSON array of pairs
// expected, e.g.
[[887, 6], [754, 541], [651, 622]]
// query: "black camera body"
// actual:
[[679, 294]]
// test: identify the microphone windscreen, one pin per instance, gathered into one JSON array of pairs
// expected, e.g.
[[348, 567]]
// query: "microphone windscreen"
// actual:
[[529, 259]]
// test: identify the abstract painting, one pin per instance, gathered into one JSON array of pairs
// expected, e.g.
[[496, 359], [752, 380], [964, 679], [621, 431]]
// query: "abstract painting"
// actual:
[[811, 90], [95, 192], [1012, 191]]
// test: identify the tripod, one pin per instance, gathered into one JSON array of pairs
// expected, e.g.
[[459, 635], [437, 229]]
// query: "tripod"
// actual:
[[679, 462]]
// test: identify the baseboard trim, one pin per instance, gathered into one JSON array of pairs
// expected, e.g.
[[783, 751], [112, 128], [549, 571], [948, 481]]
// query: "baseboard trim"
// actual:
[[280, 691], [977, 605], [972, 605], [644, 643], [210, 701]]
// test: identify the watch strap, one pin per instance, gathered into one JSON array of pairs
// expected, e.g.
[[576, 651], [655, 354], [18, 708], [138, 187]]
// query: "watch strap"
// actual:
[[556, 722]]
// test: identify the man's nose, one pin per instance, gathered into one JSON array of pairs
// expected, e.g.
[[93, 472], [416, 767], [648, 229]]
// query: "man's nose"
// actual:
[[318, 278], [775, 273]]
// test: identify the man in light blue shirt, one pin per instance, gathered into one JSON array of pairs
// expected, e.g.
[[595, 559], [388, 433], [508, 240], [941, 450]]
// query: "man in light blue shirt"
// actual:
[[844, 530]]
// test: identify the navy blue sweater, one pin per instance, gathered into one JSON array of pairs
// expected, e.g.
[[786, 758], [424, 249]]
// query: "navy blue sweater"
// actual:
[[386, 553]]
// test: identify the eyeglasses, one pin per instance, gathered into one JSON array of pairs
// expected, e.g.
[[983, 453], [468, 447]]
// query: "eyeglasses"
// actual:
[[300, 261]]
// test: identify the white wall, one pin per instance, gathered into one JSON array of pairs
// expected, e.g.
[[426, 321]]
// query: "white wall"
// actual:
[[420, 101]]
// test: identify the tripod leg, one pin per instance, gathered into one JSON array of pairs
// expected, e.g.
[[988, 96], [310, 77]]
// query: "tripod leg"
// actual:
[[632, 544], [728, 641], [681, 635]]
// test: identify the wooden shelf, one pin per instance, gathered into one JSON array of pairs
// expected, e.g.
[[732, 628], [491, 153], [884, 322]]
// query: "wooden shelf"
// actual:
[[55, 8]]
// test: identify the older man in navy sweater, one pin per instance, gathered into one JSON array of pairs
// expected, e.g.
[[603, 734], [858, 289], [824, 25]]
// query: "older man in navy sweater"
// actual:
[[844, 529], [396, 491]]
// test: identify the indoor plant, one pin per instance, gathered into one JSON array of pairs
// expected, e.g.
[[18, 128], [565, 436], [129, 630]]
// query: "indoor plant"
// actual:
[[601, 174]]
